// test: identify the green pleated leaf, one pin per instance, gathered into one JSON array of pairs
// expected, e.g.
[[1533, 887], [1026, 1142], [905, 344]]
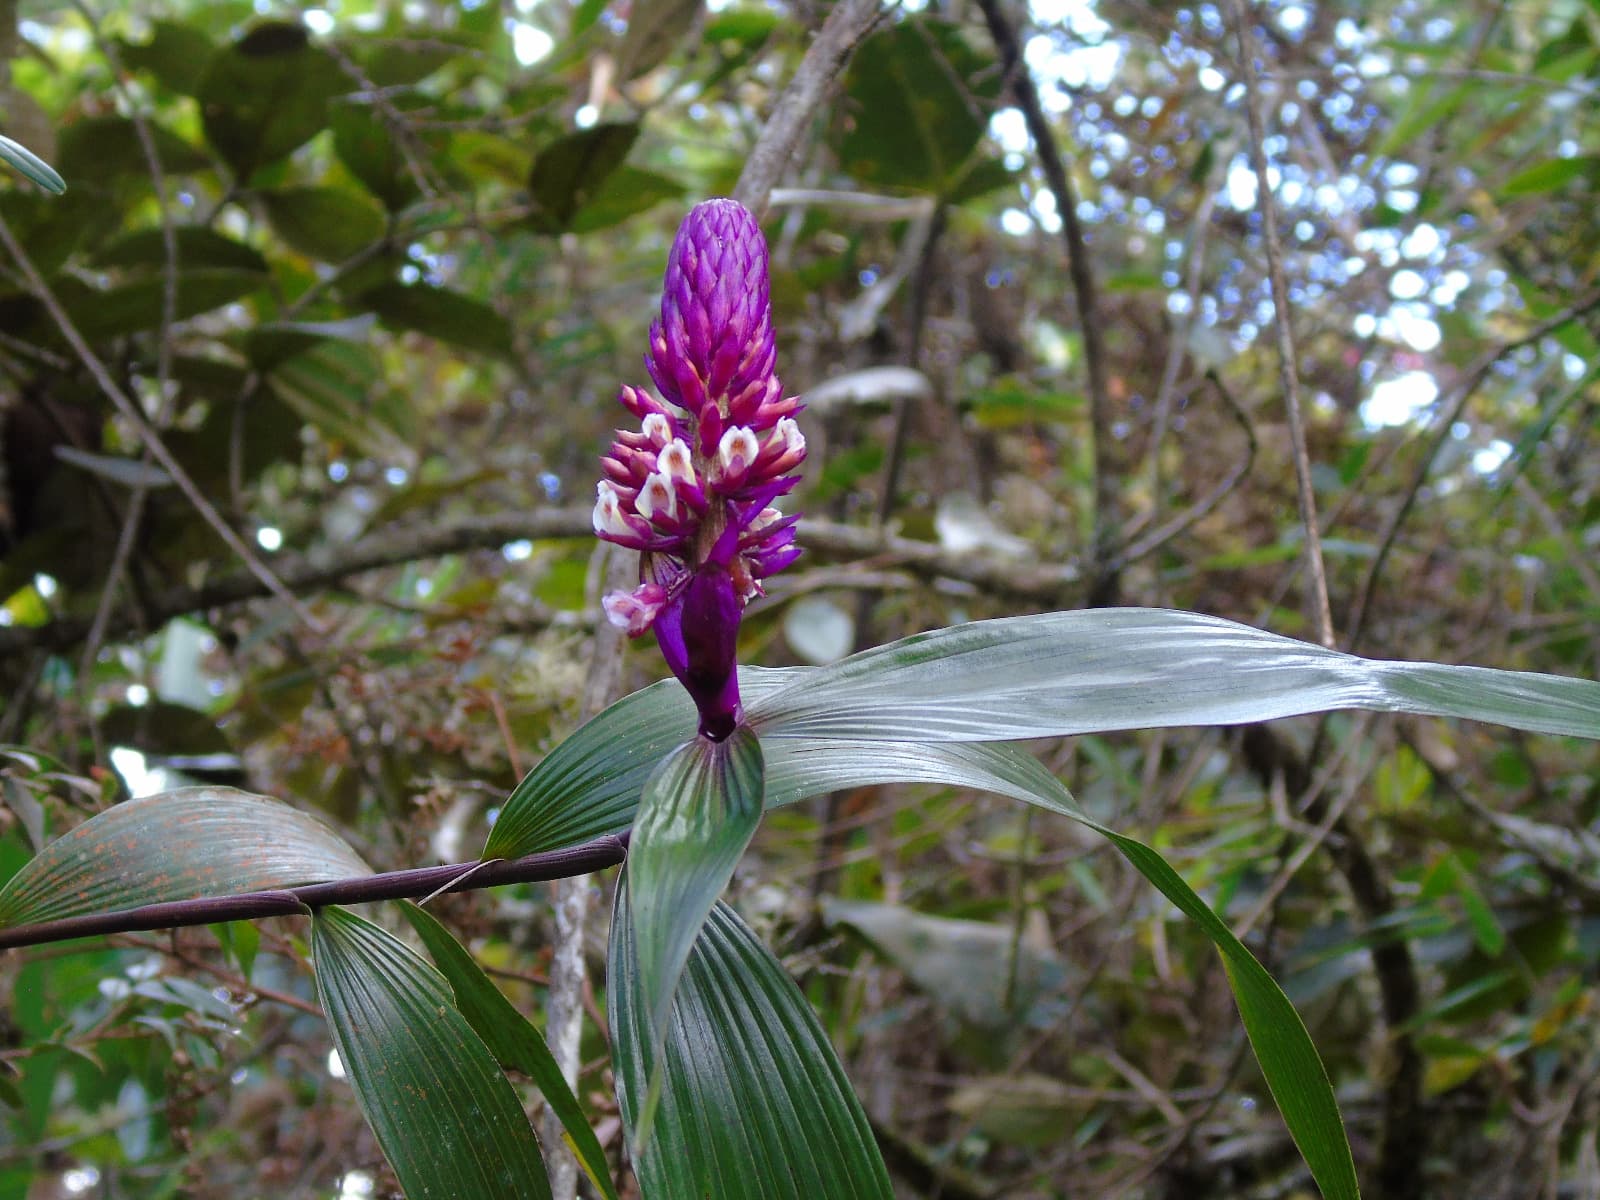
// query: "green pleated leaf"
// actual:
[[447, 1119], [590, 784], [31, 166], [1096, 670], [699, 810], [754, 1103], [512, 1039], [199, 841]]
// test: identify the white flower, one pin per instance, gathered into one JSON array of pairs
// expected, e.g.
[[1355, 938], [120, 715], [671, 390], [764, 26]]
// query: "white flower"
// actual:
[[658, 429], [608, 518], [658, 495], [736, 452], [675, 462]]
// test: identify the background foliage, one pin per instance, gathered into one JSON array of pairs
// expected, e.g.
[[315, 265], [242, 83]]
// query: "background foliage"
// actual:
[[372, 274]]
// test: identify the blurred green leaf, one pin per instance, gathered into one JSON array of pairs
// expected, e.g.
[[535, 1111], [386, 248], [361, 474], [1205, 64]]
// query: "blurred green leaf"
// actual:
[[197, 247], [569, 173], [754, 1103], [441, 313], [699, 810], [98, 150], [626, 192], [176, 54], [512, 1039], [1551, 175], [326, 223], [266, 95], [365, 143], [201, 841], [912, 94], [448, 1120]]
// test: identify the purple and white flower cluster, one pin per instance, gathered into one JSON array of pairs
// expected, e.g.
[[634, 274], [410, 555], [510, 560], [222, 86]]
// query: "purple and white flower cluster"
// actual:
[[693, 490]]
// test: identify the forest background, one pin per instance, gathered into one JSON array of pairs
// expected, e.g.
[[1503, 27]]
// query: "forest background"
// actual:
[[357, 285]]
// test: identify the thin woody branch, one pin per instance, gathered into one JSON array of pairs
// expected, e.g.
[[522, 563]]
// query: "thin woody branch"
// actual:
[[603, 852]]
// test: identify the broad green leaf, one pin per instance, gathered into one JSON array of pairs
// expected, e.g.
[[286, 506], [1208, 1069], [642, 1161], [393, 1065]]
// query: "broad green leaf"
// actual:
[[754, 1103], [401, 60], [569, 172], [200, 841], [327, 223], [511, 1038], [589, 785], [699, 810], [627, 192], [176, 54], [1097, 670], [274, 342], [914, 91], [447, 1119], [441, 313], [197, 247], [99, 149], [365, 143], [137, 306], [31, 166], [266, 95]]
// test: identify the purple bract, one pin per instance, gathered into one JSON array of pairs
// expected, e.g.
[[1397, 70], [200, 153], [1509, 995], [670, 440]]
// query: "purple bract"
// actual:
[[693, 489]]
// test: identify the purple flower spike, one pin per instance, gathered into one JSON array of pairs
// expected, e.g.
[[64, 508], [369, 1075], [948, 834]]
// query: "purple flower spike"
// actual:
[[693, 489]]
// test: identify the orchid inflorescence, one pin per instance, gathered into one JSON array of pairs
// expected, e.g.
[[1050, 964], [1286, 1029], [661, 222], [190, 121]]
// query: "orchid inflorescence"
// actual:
[[693, 490]]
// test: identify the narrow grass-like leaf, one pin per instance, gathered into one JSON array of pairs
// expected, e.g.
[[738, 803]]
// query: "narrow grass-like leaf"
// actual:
[[447, 1119], [199, 841], [700, 809], [1289, 1061], [1095, 670], [754, 1102], [512, 1039]]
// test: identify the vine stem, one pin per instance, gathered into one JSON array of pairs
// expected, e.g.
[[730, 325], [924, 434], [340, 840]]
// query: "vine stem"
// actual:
[[1288, 355], [603, 852]]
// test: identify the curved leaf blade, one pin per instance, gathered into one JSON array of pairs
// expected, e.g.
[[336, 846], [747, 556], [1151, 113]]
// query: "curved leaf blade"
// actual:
[[1096, 670], [590, 784], [31, 166], [177, 845], [754, 1102], [699, 811], [511, 1038], [447, 1119], [1289, 1061]]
